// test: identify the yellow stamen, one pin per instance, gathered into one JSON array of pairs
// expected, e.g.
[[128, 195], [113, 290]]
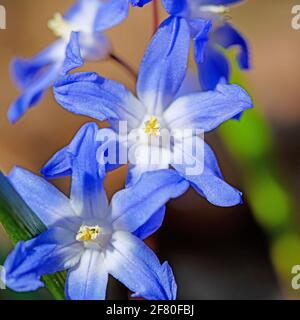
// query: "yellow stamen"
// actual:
[[59, 26], [152, 127], [87, 233]]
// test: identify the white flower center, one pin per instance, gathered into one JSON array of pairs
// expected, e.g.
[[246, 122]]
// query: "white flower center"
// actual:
[[60, 27], [88, 233]]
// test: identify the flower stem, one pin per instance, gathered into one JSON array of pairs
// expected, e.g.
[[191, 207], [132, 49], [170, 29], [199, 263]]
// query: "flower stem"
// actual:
[[155, 16], [124, 64]]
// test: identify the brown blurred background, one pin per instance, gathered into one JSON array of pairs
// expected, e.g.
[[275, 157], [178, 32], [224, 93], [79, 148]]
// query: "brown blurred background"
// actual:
[[215, 252]]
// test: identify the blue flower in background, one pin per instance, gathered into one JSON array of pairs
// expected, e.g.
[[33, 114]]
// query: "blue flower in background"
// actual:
[[80, 36], [202, 15], [162, 72], [86, 235]]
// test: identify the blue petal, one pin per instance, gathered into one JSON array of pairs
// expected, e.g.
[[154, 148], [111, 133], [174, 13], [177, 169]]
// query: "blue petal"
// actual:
[[73, 54], [91, 95], [88, 197], [34, 77], [33, 92], [88, 280], [176, 8], [25, 71], [189, 85], [83, 15], [131, 262], [47, 202], [54, 250], [133, 207], [164, 65], [112, 153], [207, 110], [94, 46], [213, 69], [218, 2], [135, 171], [183, 7], [112, 13], [227, 36], [139, 3], [199, 31], [152, 225], [210, 184]]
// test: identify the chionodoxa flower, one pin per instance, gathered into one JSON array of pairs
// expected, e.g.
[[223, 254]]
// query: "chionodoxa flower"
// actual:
[[88, 236]]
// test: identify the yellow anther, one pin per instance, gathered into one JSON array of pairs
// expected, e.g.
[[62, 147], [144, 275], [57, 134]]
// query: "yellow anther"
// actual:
[[87, 233], [152, 127], [59, 26]]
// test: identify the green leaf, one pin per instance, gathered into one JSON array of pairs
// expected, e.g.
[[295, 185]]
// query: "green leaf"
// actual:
[[20, 223]]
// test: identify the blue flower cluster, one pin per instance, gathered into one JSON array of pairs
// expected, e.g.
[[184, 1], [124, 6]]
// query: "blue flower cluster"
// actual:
[[86, 234]]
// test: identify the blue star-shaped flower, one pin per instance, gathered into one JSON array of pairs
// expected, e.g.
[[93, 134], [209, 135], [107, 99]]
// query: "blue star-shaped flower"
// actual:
[[204, 16], [80, 36], [157, 108], [213, 66], [88, 236]]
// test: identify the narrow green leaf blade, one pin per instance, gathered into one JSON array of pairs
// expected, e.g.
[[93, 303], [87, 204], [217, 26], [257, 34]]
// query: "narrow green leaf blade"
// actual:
[[20, 223]]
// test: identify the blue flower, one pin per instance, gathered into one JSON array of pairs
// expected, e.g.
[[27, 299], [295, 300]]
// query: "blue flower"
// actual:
[[80, 37], [88, 236], [201, 15], [161, 75]]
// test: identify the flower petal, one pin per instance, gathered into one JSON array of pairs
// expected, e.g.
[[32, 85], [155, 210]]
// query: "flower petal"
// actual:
[[218, 2], [25, 71], [139, 3], [47, 202], [152, 225], [146, 158], [112, 13], [182, 7], [134, 206], [73, 54], [200, 29], [213, 69], [207, 110], [210, 184], [91, 95], [54, 250], [88, 196], [112, 152], [88, 280], [164, 65], [176, 8], [34, 76], [33, 92], [131, 262], [83, 15], [227, 36]]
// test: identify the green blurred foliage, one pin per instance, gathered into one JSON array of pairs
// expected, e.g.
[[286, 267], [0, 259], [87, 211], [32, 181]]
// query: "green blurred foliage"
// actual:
[[251, 144]]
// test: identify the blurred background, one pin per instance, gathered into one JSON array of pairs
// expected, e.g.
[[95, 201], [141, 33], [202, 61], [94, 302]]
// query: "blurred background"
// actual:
[[244, 252]]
